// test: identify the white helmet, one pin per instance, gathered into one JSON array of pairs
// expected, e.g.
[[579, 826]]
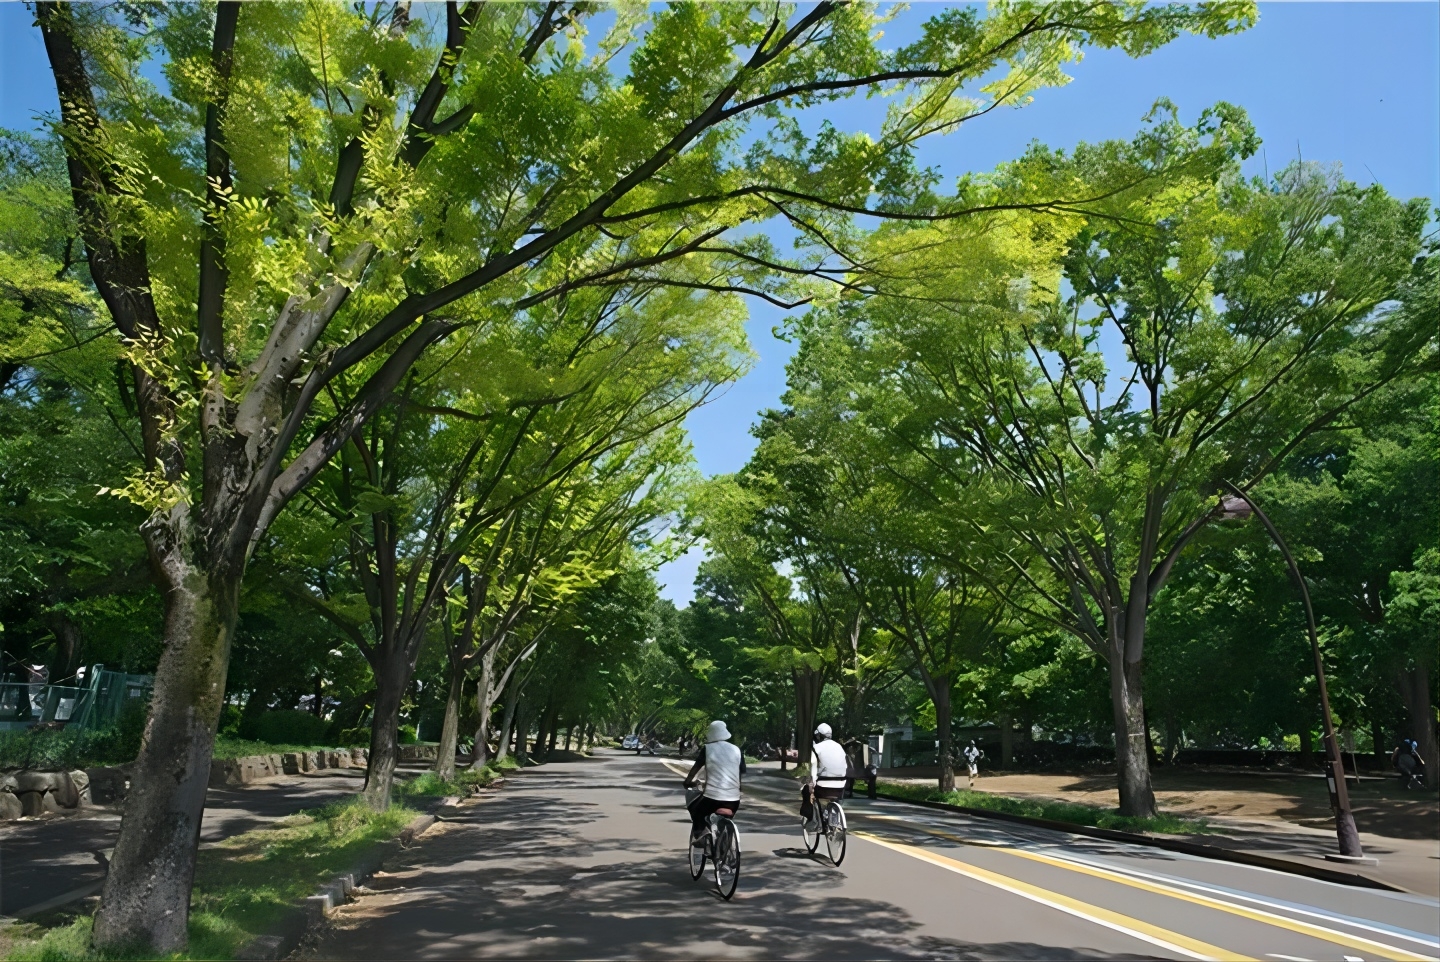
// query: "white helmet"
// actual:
[[822, 731]]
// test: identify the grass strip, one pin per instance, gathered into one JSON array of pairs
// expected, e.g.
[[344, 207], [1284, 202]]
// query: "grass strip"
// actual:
[[244, 885], [430, 784], [1072, 812]]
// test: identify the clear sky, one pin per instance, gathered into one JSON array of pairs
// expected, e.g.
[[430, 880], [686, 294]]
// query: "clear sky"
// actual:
[[1352, 83]]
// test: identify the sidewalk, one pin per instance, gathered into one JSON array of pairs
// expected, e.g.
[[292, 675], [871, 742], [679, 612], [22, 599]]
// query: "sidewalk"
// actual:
[[46, 859]]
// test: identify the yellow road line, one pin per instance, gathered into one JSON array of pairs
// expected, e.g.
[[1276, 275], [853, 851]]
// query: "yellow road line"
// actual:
[[1321, 932], [1144, 931], [1269, 918]]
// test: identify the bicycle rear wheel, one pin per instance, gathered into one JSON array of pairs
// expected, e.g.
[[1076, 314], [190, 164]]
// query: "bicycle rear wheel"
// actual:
[[835, 834], [697, 857], [727, 858]]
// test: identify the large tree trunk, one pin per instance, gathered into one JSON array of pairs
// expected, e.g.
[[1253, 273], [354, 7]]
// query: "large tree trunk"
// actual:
[[484, 698], [391, 677], [808, 684], [450, 729], [1132, 759], [146, 898], [507, 724], [1414, 686], [943, 735]]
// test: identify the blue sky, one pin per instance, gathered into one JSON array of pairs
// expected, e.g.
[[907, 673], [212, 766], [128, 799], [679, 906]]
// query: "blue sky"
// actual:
[[1353, 83]]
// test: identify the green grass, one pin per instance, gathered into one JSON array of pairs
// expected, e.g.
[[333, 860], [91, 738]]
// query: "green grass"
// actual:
[[245, 884], [1072, 812], [431, 784]]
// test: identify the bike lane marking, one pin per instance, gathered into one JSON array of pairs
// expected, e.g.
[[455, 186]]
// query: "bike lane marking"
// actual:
[[1309, 929], [1135, 928]]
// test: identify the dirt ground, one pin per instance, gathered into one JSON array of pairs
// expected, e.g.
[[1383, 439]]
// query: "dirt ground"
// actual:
[[1381, 807]]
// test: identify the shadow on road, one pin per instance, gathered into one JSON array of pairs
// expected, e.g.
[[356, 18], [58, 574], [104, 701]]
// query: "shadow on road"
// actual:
[[538, 872]]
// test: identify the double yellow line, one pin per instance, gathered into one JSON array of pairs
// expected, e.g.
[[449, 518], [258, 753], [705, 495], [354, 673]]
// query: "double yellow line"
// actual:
[[1141, 930]]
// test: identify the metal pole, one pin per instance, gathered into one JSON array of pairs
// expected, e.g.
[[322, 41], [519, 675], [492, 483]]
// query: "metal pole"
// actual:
[[1334, 768]]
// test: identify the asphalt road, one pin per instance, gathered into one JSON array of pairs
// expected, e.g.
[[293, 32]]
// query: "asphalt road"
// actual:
[[587, 860]]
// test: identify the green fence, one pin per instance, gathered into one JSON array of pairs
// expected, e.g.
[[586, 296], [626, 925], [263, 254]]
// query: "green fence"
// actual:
[[94, 703]]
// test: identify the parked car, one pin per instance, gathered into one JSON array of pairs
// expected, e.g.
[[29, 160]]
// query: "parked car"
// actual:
[[630, 742]]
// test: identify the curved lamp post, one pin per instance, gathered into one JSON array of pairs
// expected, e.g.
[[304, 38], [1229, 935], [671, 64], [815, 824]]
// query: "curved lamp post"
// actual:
[[1238, 505]]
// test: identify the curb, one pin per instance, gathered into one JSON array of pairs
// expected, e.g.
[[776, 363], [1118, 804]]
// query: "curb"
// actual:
[[303, 918], [1173, 845]]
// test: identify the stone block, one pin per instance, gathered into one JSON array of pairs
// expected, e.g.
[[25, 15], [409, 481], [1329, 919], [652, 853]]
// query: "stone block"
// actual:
[[319, 906], [10, 806], [26, 781], [8, 782], [81, 780], [291, 762], [64, 792], [32, 803]]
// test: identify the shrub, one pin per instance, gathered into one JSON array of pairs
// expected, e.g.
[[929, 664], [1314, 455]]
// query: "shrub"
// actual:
[[359, 736], [289, 728], [407, 735]]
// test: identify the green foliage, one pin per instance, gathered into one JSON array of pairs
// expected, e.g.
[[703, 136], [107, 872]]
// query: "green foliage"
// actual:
[[287, 727], [1071, 812], [406, 735]]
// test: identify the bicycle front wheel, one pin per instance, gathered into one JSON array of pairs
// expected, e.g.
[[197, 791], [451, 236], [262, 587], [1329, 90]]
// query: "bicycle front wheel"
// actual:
[[811, 829], [835, 834], [727, 858], [697, 857]]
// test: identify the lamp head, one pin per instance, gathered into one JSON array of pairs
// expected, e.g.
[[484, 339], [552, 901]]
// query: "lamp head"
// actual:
[[1233, 508]]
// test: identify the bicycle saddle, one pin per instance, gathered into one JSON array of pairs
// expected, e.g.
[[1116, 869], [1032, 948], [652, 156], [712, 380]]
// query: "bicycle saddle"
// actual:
[[727, 812]]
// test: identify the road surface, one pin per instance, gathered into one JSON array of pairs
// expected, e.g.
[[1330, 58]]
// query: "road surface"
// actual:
[[586, 859]]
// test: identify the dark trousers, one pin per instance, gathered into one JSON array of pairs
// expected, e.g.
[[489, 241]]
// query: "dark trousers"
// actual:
[[702, 808]]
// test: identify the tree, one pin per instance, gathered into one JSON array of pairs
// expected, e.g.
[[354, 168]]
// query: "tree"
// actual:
[[1252, 315], [253, 239]]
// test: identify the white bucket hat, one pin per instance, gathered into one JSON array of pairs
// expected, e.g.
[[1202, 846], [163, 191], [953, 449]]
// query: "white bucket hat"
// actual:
[[717, 732]]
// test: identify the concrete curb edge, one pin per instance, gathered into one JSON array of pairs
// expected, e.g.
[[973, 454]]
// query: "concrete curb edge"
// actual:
[[300, 919]]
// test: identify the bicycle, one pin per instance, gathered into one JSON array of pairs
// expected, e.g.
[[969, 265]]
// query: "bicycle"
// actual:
[[829, 822], [720, 844]]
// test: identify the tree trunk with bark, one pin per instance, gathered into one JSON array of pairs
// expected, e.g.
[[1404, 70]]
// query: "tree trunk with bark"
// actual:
[[1414, 686], [1307, 749], [808, 684], [392, 675], [450, 728], [146, 897], [945, 750], [484, 698], [1132, 759]]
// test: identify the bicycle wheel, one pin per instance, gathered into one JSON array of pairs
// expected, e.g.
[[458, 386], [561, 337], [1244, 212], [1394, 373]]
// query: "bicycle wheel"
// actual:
[[811, 829], [835, 834], [727, 858], [697, 858]]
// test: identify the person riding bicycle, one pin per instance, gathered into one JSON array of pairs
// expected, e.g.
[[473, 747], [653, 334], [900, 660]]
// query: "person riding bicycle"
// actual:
[[1408, 762], [723, 764], [829, 765]]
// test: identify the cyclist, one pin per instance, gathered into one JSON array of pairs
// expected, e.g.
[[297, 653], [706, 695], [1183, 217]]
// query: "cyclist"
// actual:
[[829, 765], [723, 763]]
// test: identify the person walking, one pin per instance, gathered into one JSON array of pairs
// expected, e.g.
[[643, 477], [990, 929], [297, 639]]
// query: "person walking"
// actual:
[[973, 753]]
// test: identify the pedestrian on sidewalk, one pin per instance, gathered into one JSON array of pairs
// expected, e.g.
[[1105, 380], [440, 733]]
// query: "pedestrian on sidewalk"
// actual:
[[973, 753]]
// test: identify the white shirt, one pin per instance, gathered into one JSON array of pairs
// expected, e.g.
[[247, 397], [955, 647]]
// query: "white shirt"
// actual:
[[828, 764], [723, 764]]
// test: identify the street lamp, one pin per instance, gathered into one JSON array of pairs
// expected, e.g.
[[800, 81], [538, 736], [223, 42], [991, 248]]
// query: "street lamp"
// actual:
[[1238, 505]]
